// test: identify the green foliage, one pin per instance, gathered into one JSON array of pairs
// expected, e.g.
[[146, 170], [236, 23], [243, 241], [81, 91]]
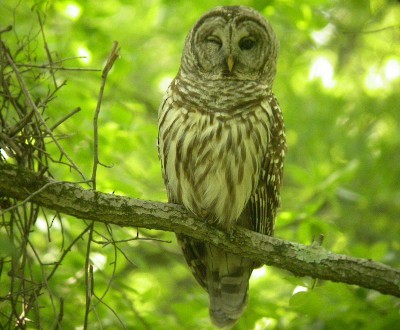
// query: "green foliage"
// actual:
[[338, 84]]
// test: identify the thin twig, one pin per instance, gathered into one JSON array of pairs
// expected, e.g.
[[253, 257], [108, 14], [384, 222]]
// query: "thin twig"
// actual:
[[6, 29], [392, 27], [45, 282], [67, 250], [60, 315], [73, 112], [100, 299], [9, 146], [32, 195], [114, 263], [88, 277], [26, 200], [105, 243], [39, 116], [88, 267], [46, 47], [110, 62], [20, 125], [59, 68]]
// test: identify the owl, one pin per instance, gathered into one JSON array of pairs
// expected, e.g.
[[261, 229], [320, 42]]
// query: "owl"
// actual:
[[221, 143]]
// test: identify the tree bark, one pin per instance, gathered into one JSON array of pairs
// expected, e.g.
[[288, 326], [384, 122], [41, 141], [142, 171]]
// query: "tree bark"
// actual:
[[301, 260]]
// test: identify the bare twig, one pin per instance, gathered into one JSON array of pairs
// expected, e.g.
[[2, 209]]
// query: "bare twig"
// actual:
[[46, 47], [38, 114], [60, 315], [56, 68], [20, 125], [392, 27], [89, 268], [105, 243], [73, 112], [68, 249], [27, 199], [6, 29], [89, 282], [101, 301], [109, 64]]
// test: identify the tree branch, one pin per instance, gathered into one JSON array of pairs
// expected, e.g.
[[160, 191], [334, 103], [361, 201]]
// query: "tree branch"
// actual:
[[299, 259]]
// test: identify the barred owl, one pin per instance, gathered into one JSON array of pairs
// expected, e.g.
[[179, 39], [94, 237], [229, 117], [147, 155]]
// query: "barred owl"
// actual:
[[222, 144]]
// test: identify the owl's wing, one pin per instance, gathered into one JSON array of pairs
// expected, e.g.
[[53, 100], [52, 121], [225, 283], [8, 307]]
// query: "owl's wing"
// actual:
[[266, 199], [192, 249]]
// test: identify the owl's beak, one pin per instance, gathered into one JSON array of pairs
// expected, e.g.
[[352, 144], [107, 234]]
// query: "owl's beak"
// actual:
[[230, 62]]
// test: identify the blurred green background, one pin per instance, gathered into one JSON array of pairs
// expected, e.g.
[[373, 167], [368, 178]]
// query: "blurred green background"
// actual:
[[338, 84]]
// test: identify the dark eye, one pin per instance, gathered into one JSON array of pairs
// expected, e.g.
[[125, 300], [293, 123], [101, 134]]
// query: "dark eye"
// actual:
[[214, 40], [246, 43]]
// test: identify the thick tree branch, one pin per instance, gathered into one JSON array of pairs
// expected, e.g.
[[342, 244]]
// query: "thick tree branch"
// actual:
[[299, 259]]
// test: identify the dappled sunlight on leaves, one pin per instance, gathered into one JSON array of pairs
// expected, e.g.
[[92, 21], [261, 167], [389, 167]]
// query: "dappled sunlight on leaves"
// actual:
[[338, 84]]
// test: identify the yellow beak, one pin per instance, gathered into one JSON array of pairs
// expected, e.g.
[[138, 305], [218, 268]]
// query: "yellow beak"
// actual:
[[230, 62]]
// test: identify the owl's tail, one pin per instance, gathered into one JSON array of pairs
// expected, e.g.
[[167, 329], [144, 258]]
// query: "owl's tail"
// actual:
[[228, 283]]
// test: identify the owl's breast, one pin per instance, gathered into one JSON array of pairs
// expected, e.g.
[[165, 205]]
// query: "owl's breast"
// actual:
[[212, 161]]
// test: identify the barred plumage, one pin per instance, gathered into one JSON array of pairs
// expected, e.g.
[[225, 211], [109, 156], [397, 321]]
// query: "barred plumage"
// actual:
[[222, 145]]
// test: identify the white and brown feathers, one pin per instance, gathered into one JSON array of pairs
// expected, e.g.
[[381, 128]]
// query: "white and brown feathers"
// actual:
[[222, 145]]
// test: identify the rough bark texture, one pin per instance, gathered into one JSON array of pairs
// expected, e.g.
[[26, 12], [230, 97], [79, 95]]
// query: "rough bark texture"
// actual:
[[301, 260]]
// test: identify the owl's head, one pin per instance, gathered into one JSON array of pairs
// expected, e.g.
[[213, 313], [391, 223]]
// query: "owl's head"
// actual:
[[234, 43]]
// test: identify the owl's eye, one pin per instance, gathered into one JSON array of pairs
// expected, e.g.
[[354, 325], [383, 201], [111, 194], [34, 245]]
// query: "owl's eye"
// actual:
[[214, 40], [246, 43]]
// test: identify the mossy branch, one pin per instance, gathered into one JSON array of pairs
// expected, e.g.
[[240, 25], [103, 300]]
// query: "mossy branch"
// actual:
[[301, 260]]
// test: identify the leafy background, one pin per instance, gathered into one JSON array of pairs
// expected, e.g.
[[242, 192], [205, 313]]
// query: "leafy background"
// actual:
[[338, 85]]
